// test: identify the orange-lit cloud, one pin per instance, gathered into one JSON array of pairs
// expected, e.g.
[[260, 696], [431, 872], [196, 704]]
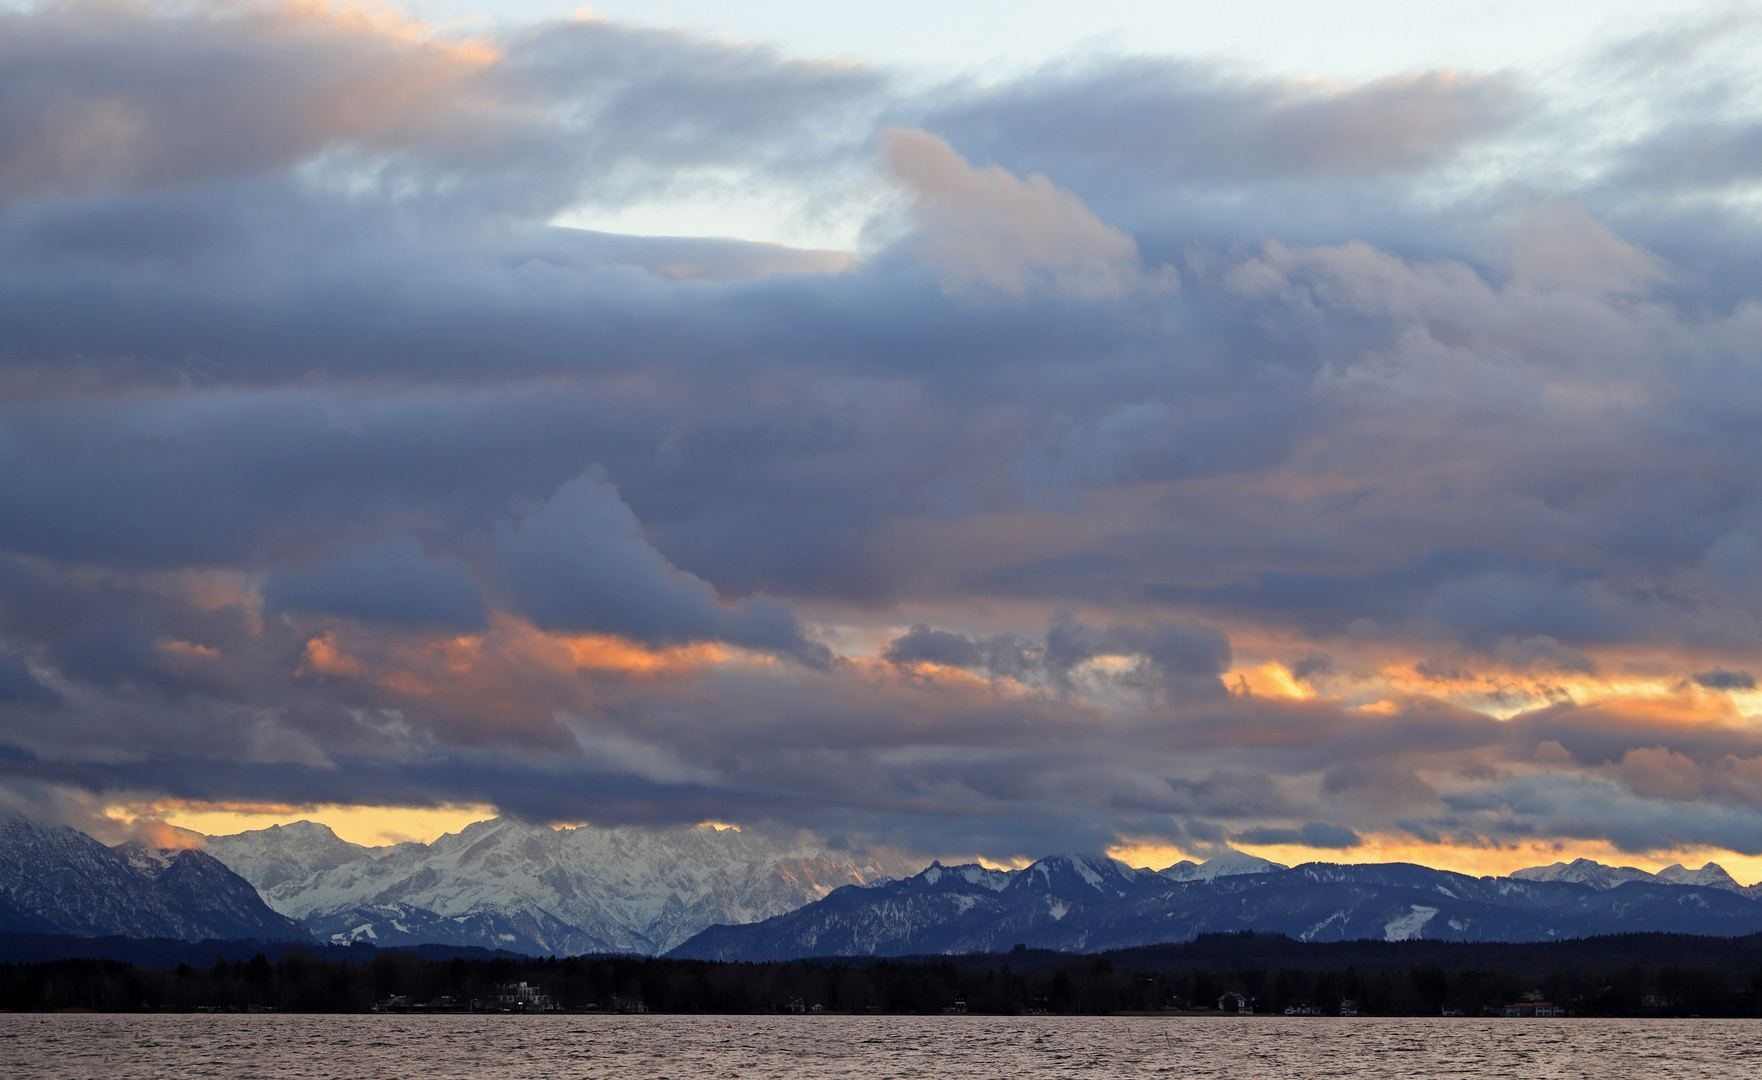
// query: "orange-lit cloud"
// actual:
[[322, 658], [161, 834], [1270, 679], [605, 653]]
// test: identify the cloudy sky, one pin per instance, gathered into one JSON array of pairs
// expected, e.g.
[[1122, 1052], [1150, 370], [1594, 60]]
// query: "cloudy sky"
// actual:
[[994, 432]]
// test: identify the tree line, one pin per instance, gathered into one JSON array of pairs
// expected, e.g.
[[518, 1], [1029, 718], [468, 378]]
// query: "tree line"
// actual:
[[300, 981]]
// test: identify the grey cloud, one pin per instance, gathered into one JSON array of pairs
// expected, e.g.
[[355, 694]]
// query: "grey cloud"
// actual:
[[1558, 245], [1383, 785], [1187, 121], [1173, 658], [1595, 734], [392, 582], [1229, 794], [985, 230], [672, 100], [1720, 679], [923, 763], [1002, 654], [1315, 834], [1698, 156], [1542, 652], [581, 563], [99, 96], [18, 686], [1420, 832], [1565, 807], [1178, 650], [937, 646]]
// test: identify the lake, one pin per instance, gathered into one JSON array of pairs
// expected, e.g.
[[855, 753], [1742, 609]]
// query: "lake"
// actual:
[[869, 1047]]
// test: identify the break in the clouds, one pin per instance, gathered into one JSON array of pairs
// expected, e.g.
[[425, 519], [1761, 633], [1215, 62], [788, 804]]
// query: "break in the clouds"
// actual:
[[1188, 456]]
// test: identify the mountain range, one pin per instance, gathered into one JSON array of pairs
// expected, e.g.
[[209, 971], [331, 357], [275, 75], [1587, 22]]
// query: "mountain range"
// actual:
[[530, 888], [1080, 904], [57, 880], [723, 893], [1599, 876]]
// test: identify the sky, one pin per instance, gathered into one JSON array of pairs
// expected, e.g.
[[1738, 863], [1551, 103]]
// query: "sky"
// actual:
[[984, 430]]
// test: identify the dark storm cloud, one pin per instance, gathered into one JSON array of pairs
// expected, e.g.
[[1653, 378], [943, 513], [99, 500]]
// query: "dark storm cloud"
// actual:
[[391, 582], [1189, 657], [18, 686], [913, 761], [1222, 793], [1315, 834], [1001, 654], [321, 452], [582, 564], [1556, 806], [1725, 680]]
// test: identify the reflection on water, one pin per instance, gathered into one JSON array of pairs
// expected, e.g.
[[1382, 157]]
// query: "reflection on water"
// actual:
[[756, 1047]]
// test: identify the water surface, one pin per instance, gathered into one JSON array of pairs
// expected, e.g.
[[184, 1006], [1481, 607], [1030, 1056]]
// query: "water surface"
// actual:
[[867, 1047]]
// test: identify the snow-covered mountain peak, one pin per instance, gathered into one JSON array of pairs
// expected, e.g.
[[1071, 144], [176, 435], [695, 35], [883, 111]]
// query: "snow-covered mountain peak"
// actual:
[[280, 854], [302, 831], [1600, 876], [1584, 872], [1097, 873], [1711, 875], [995, 880], [509, 883], [1223, 864], [1086, 870], [970, 873]]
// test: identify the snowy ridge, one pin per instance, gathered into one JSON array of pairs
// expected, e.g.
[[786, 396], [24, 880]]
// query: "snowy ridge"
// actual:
[[1711, 875], [505, 884], [1221, 865], [1600, 876], [1078, 903], [282, 853]]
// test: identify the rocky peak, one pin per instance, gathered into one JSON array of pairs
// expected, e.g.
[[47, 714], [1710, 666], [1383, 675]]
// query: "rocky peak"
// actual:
[[56, 879]]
